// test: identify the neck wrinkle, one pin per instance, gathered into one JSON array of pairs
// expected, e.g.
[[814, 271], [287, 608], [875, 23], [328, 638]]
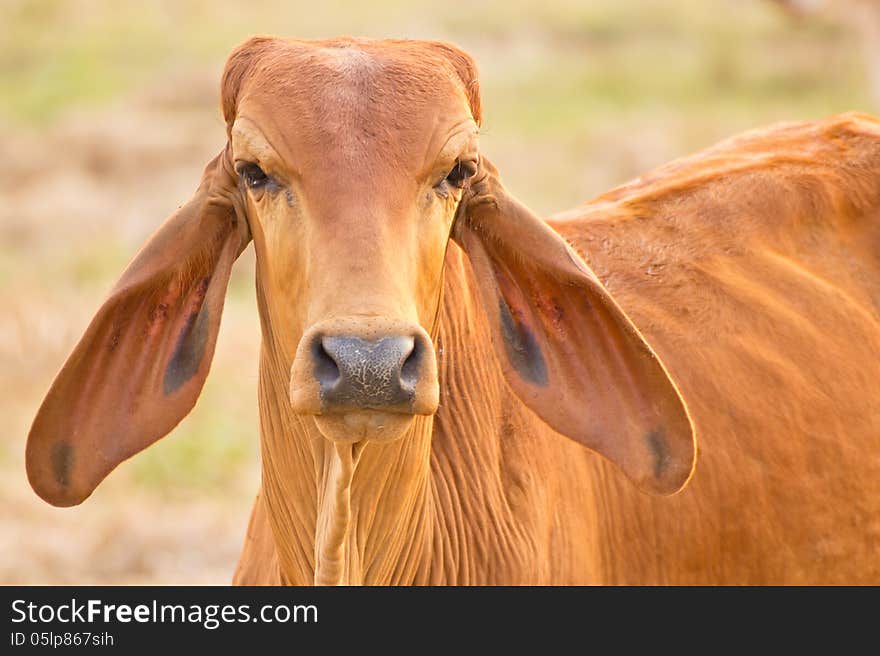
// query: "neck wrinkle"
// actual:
[[341, 514], [333, 562]]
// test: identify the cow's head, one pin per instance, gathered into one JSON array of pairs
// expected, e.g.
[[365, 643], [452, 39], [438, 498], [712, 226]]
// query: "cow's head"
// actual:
[[353, 157], [351, 164]]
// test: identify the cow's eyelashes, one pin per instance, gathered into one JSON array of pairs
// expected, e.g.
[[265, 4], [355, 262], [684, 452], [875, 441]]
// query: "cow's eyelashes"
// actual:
[[461, 173], [252, 175]]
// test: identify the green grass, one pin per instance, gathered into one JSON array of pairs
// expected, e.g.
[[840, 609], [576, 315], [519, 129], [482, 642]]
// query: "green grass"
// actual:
[[205, 453]]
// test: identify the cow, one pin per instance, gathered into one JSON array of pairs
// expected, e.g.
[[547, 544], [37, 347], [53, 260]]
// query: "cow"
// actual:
[[455, 391]]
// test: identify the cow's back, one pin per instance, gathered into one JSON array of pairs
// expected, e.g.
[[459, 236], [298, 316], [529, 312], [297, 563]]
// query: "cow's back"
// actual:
[[754, 271]]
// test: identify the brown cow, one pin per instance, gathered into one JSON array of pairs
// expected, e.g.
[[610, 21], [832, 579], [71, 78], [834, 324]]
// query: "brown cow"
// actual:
[[398, 449]]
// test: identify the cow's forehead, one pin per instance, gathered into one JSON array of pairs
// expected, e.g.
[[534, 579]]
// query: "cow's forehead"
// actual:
[[354, 99]]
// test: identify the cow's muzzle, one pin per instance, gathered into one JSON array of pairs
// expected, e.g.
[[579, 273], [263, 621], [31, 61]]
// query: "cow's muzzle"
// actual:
[[364, 375], [357, 374]]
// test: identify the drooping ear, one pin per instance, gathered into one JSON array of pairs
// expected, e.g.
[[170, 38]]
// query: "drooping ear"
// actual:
[[141, 364], [566, 348]]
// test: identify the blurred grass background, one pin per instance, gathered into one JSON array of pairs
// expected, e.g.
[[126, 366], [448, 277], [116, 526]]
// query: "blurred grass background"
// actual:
[[108, 112]]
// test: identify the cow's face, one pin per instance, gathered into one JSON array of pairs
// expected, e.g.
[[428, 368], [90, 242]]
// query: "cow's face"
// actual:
[[352, 157]]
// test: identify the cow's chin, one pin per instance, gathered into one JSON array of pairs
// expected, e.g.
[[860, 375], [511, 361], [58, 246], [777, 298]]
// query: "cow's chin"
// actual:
[[363, 426]]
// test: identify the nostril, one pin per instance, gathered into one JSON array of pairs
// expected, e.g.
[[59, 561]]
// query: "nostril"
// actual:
[[326, 369], [409, 372]]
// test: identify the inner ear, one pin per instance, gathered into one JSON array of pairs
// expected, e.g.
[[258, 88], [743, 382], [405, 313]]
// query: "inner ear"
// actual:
[[519, 336], [189, 349]]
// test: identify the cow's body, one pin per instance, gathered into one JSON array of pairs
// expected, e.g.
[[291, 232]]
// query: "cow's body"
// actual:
[[754, 270]]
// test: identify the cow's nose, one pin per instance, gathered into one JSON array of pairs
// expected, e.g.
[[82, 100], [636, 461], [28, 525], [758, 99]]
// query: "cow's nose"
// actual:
[[354, 373]]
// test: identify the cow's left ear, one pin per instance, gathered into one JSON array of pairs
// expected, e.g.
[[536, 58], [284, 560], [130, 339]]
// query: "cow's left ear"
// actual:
[[566, 348], [141, 364]]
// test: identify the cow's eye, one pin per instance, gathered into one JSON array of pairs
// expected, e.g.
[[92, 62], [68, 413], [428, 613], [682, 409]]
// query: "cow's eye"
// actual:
[[254, 177], [461, 172]]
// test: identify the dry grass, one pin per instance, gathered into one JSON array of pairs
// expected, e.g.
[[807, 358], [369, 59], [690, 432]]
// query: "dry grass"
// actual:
[[108, 114]]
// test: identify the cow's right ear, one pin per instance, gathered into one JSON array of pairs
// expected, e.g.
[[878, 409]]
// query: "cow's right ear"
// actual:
[[566, 348], [140, 366]]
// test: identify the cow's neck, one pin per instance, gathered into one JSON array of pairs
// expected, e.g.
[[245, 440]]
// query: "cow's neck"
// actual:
[[372, 510], [370, 514], [340, 514]]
